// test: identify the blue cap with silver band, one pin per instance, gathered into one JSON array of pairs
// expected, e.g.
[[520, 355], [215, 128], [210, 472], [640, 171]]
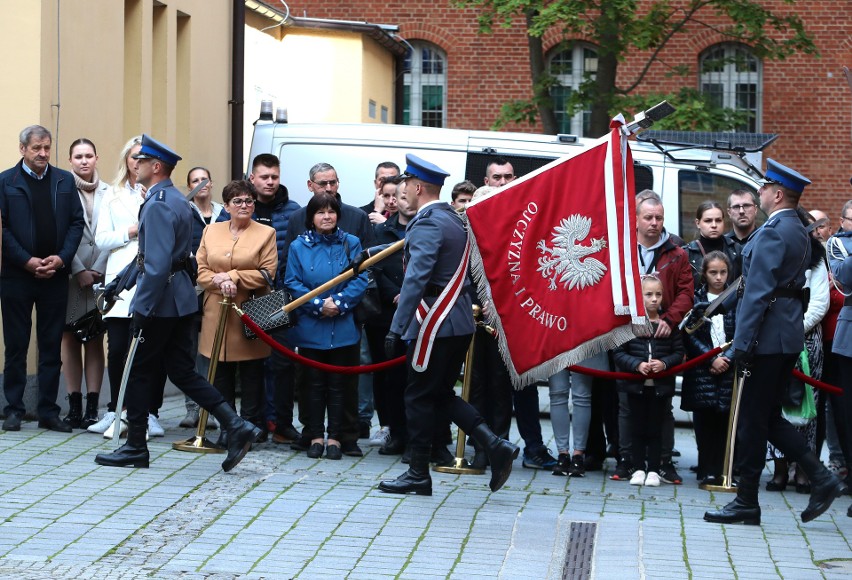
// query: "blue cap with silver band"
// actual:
[[153, 149], [423, 170], [777, 173]]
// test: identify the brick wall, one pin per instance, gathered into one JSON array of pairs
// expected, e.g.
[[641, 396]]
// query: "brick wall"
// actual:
[[805, 99]]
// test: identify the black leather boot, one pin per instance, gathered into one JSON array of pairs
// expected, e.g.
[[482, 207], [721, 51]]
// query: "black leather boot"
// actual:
[[75, 410], [825, 486], [501, 454], [134, 453], [744, 509], [441, 456], [480, 458], [241, 434], [90, 417], [416, 480]]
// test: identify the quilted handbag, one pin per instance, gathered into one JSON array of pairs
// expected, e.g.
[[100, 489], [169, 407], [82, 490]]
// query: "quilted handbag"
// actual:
[[262, 308]]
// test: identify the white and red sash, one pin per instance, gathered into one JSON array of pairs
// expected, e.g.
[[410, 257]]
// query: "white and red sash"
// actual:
[[431, 318]]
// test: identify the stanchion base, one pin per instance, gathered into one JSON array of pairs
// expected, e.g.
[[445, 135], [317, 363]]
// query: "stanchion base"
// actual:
[[197, 445], [722, 488], [459, 467]]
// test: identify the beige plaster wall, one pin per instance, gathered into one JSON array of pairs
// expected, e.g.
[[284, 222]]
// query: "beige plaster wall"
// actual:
[[110, 69]]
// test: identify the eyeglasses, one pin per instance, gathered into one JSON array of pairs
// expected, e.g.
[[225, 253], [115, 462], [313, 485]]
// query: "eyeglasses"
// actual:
[[843, 217], [326, 183], [246, 201], [742, 206]]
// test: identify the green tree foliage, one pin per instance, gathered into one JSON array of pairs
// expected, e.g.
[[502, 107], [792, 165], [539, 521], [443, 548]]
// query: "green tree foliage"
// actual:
[[637, 27]]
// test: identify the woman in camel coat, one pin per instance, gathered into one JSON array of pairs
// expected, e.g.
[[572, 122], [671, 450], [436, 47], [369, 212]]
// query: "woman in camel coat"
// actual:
[[230, 259]]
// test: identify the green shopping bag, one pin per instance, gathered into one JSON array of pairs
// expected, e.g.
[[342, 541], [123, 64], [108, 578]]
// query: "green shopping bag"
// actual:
[[801, 415]]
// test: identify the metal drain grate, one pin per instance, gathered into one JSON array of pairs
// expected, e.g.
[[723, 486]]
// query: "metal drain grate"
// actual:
[[578, 557]]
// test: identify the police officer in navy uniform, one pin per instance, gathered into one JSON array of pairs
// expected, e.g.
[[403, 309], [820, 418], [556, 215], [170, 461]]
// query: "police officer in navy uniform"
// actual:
[[768, 339], [163, 309], [435, 248]]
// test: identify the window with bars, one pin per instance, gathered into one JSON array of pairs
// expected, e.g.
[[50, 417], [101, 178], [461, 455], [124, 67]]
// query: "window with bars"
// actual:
[[731, 75], [425, 86], [571, 66]]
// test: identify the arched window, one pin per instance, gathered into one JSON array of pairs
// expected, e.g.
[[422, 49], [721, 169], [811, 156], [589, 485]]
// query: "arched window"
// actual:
[[731, 77], [571, 66], [425, 86]]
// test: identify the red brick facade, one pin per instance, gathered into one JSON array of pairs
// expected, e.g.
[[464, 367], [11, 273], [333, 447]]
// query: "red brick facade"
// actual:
[[805, 99]]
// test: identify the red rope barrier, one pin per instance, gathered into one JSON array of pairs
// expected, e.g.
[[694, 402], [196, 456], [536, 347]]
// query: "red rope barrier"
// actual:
[[817, 384], [312, 363], [575, 368], [677, 369]]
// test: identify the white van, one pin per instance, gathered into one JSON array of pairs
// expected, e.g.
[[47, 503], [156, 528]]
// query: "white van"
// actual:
[[684, 168]]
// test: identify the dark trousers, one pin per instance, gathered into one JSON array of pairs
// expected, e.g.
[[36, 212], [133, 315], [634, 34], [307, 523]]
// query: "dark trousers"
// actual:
[[760, 417], [381, 379], [250, 376], [842, 406], [646, 414], [18, 297], [490, 386], [527, 417], [118, 343], [166, 341], [711, 434], [603, 427], [326, 392], [430, 398], [625, 439], [280, 382]]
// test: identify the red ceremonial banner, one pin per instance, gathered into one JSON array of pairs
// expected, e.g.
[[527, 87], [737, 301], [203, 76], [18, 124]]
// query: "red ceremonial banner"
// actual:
[[555, 254]]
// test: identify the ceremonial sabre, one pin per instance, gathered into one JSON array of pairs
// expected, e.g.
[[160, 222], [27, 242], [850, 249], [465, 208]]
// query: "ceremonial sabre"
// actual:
[[733, 421], [125, 376]]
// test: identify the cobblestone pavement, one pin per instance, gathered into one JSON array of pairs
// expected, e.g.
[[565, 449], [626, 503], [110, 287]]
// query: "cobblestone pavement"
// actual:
[[282, 515]]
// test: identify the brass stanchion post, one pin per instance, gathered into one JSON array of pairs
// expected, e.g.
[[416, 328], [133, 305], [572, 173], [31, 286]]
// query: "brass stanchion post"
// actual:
[[461, 466], [199, 443], [733, 420]]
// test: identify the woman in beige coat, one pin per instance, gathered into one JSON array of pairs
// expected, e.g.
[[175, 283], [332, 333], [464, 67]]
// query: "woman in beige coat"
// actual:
[[230, 259]]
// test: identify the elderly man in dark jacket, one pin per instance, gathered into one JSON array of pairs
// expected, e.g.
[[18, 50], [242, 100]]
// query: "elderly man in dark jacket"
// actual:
[[42, 227]]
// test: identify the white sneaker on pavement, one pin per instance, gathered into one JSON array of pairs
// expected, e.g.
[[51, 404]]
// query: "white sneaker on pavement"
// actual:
[[109, 431], [652, 479], [380, 437], [103, 424], [154, 428], [638, 477]]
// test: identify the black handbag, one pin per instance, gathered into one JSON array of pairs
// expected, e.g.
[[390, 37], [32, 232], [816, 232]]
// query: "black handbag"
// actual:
[[262, 308], [89, 326], [371, 303]]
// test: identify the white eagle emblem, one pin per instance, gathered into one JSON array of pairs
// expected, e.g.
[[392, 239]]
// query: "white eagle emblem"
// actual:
[[564, 262]]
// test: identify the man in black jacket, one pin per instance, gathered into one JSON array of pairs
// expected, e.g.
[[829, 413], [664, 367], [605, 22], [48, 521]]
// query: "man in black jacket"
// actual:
[[42, 227]]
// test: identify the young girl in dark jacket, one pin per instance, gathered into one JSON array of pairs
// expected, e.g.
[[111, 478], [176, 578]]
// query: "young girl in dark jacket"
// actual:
[[649, 398], [706, 389]]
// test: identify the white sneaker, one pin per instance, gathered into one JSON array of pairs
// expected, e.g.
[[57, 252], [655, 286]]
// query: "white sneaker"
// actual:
[[109, 431], [652, 479], [638, 478], [154, 428], [106, 421], [380, 437]]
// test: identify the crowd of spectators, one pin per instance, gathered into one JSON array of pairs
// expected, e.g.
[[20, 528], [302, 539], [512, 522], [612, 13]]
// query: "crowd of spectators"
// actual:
[[259, 240]]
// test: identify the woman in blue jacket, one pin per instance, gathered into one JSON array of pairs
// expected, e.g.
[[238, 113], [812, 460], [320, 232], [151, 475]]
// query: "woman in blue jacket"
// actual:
[[325, 330]]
